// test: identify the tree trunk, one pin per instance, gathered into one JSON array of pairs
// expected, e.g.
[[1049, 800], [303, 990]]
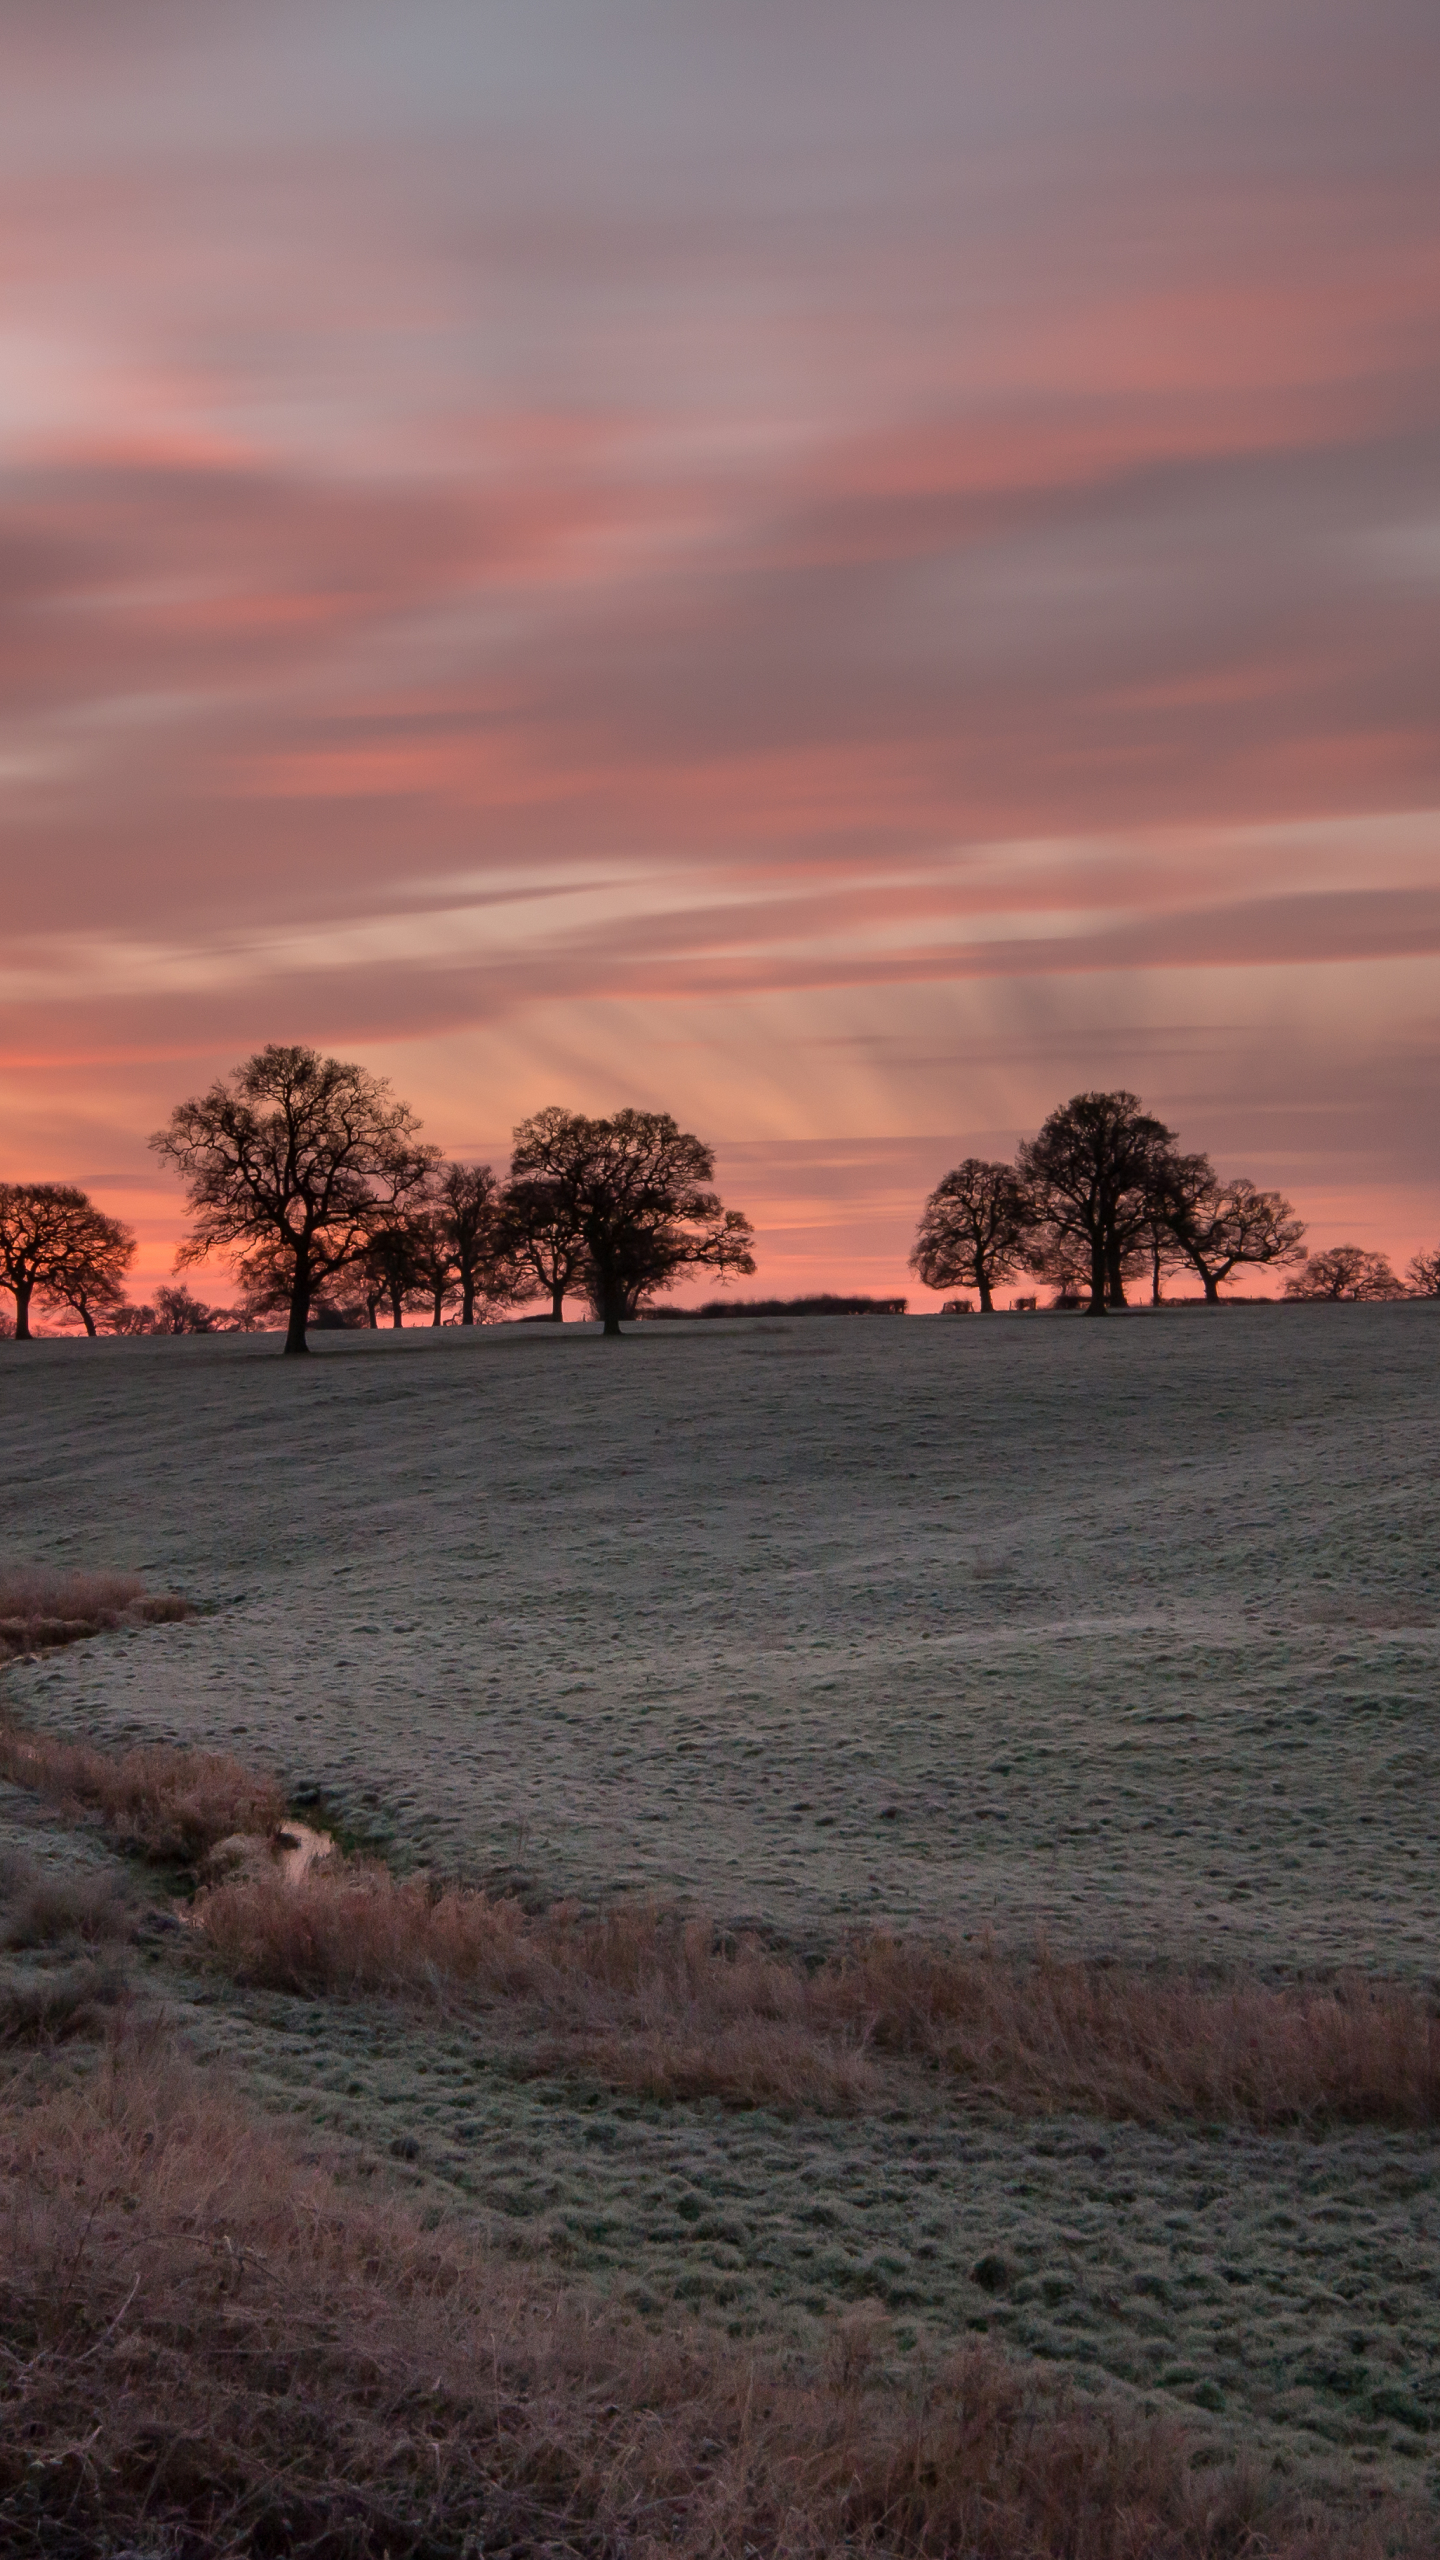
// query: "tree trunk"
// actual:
[[1157, 1294], [396, 1317], [295, 1341], [467, 1300], [982, 1283], [1097, 1276], [611, 1307], [1115, 1286], [436, 1297], [22, 1293], [1212, 1287], [557, 1303], [89, 1323]]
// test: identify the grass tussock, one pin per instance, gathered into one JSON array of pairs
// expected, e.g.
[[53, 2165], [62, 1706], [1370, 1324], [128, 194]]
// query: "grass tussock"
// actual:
[[654, 2003], [40, 1607], [167, 1804], [207, 2346]]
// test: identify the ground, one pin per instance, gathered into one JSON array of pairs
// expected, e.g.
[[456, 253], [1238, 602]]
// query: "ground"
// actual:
[[1122, 1632]]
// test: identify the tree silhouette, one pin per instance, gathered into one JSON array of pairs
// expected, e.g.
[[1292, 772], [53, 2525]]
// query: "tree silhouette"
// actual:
[[1092, 1176], [1423, 1273], [294, 1162], [973, 1229], [1345, 1273], [469, 1213], [634, 1190], [1218, 1227], [56, 1244]]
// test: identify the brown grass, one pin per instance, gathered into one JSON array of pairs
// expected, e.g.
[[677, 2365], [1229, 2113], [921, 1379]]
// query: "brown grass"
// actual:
[[168, 1804], [652, 2002], [207, 2347], [40, 1607]]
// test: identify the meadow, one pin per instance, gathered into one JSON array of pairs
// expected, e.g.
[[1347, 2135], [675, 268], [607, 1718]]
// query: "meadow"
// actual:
[[1116, 1639]]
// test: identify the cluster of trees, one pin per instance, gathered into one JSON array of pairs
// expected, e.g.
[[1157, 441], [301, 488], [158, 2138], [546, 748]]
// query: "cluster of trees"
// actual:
[[314, 1181], [59, 1252], [1104, 1195]]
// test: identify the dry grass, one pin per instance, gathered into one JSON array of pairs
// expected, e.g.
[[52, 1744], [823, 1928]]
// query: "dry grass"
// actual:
[[40, 1607], [651, 2002], [167, 1804], [208, 2347]]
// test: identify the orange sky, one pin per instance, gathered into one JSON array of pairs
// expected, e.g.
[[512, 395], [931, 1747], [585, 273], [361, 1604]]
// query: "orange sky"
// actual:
[[844, 573]]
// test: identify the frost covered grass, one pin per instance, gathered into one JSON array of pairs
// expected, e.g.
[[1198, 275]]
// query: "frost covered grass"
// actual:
[[213, 2344]]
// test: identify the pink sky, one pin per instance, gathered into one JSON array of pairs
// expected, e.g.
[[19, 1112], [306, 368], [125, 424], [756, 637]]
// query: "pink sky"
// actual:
[[843, 572]]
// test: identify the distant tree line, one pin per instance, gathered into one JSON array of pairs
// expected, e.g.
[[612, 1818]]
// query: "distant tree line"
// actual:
[[308, 1176], [1104, 1196]]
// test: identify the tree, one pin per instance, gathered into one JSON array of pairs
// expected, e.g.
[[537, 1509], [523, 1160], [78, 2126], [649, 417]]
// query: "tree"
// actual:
[[973, 1229], [1347, 1273], [88, 1271], [295, 1159], [478, 1238], [1092, 1176], [54, 1241], [1423, 1274], [635, 1188], [178, 1310], [1218, 1226]]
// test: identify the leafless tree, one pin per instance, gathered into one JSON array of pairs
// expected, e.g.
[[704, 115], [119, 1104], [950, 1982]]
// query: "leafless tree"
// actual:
[[178, 1310], [542, 1228], [296, 1156], [55, 1244], [88, 1274], [1345, 1272], [477, 1238], [637, 1188], [973, 1230], [1092, 1176], [1423, 1273], [1219, 1226]]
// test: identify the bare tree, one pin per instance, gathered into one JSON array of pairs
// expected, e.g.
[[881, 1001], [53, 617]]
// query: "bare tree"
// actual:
[[637, 1188], [298, 1157], [87, 1273], [1092, 1176], [477, 1237], [1347, 1273], [543, 1230], [1423, 1274], [55, 1244], [973, 1230], [1219, 1226], [178, 1310]]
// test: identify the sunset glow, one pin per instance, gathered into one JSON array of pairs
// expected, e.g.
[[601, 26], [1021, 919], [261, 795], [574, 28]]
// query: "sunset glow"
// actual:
[[841, 572]]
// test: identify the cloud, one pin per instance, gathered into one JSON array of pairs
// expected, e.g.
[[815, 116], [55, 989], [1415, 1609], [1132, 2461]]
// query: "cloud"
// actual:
[[522, 545]]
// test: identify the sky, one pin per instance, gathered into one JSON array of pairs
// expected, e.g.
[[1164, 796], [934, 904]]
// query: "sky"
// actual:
[[843, 571]]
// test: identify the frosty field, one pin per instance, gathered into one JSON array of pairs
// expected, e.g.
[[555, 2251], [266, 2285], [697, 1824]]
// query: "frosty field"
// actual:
[[1124, 1632], [1127, 1632]]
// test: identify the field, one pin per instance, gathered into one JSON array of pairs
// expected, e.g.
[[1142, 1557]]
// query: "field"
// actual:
[[1122, 1635]]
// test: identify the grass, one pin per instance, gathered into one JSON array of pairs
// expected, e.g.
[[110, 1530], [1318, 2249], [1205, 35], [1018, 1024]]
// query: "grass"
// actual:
[[40, 1607], [648, 2001], [212, 2345], [168, 1804]]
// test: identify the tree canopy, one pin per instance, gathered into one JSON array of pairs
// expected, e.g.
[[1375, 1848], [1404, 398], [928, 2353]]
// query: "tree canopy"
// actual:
[[1091, 1176], [1348, 1273], [634, 1192], [294, 1163], [55, 1244], [974, 1229]]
